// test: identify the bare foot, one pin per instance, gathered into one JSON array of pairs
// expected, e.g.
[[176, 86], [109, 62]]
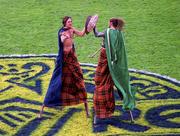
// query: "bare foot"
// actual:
[[61, 107], [39, 115], [94, 121]]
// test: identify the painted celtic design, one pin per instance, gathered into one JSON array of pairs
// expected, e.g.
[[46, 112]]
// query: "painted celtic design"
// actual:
[[24, 82]]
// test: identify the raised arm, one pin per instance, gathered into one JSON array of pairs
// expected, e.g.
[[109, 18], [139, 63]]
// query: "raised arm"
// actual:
[[79, 33], [98, 34]]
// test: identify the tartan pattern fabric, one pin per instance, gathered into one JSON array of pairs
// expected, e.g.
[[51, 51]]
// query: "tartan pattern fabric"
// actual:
[[73, 87], [104, 102]]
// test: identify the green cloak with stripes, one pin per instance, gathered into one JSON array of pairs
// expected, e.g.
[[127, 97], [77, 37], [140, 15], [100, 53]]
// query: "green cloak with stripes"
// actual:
[[118, 66]]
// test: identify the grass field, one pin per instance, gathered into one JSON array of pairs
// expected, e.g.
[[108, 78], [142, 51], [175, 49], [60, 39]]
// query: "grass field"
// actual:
[[152, 29], [153, 44]]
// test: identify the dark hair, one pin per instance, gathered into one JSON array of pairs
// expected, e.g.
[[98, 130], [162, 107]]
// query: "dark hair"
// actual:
[[64, 20], [118, 23]]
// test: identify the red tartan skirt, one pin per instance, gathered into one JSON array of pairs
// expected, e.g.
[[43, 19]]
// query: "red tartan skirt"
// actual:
[[104, 102], [73, 87]]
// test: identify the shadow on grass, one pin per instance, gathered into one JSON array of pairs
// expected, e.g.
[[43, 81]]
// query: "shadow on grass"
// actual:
[[123, 121]]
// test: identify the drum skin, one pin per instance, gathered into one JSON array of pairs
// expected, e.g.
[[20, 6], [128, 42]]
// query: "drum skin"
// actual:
[[90, 23]]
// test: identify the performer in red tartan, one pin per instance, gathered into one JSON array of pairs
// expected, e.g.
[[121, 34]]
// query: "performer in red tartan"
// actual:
[[112, 70], [67, 86], [103, 99], [73, 86], [104, 103]]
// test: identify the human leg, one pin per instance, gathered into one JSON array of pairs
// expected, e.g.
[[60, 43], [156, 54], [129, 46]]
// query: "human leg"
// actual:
[[41, 111], [86, 108]]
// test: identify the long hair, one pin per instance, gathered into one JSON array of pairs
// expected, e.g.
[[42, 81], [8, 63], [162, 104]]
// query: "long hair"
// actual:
[[64, 20], [118, 23]]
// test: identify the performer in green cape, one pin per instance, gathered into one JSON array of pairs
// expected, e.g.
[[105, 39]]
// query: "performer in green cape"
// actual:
[[112, 70]]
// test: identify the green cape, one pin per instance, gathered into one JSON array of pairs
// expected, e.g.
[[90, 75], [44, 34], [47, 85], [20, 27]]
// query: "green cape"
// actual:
[[118, 66]]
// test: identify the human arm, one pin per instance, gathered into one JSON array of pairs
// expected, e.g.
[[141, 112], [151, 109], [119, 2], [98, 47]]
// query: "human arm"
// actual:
[[79, 33], [98, 34]]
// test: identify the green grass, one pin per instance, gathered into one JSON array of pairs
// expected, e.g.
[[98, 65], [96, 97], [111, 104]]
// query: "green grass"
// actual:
[[152, 28]]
